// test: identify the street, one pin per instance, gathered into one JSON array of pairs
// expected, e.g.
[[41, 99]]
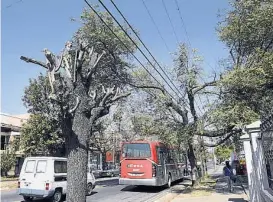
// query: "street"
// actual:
[[109, 190], [106, 191]]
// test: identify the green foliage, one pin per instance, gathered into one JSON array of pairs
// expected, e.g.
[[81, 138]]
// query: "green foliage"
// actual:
[[36, 95], [8, 158], [187, 66], [223, 152], [248, 27], [247, 31], [113, 68], [232, 114], [41, 136]]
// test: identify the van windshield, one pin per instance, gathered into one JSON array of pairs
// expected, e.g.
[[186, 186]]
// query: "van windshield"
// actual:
[[137, 150]]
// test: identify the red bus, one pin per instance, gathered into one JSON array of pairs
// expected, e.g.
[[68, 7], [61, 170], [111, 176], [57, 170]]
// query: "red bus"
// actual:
[[150, 163]]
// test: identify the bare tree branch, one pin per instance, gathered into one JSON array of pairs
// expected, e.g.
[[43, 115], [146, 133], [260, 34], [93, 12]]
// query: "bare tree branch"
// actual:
[[116, 98], [75, 66], [76, 105], [221, 141], [148, 87], [173, 116], [232, 56], [94, 66], [219, 133], [66, 67], [212, 83], [181, 111], [98, 59], [109, 92], [30, 60]]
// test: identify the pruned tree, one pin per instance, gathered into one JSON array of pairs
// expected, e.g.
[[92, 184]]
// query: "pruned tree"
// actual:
[[83, 87], [81, 104], [189, 125]]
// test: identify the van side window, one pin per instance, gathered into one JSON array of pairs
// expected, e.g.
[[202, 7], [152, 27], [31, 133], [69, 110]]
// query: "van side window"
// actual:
[[41, 167], [60, 166], [30, 166]]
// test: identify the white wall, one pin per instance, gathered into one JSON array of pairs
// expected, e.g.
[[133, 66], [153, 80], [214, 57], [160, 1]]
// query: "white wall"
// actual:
[[257, 177]]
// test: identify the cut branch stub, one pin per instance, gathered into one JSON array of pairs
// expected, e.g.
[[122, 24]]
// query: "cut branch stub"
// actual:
[[30, 60], [93, 94], [76, 106], [93, 61]]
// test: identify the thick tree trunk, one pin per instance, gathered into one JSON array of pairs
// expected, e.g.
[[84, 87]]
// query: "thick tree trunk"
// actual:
[[103, 159], [192, 159], [77, 144]]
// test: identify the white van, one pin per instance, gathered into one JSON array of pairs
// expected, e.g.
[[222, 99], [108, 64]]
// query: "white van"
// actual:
[[45, 177]]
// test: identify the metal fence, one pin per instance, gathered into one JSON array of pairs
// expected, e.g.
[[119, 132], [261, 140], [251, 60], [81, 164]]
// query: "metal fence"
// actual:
[[267, 143]]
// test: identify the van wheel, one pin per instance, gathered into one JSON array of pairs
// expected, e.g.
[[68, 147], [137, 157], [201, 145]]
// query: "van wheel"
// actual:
[[57, 196], [27, 198], [169, 183], [89, 189]]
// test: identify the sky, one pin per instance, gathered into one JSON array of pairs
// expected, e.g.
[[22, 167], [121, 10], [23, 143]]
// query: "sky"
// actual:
[[28, 26]]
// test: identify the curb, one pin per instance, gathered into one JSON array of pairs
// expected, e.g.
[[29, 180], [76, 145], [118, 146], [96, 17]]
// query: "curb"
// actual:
[[167, 198], [159, 196]]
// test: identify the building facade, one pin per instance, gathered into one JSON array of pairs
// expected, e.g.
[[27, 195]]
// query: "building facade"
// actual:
[[10, 131]]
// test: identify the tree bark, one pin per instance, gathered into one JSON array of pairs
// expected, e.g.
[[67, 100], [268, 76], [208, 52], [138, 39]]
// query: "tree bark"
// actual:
[[76, 145], [77, 137], [192, 159]]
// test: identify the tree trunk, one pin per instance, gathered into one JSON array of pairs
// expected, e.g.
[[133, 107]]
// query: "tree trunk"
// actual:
[[77, 154], [103, 159], [192, 159]]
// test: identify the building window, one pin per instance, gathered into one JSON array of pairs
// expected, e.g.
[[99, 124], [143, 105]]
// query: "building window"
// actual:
[[4, 141]]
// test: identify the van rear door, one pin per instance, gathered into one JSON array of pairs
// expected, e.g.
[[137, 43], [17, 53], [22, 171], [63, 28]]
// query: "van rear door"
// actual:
[[27, 176], [40, 177]]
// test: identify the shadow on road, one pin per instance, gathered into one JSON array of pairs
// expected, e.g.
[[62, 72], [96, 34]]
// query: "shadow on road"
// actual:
[[147, 189], [108, 183], [237, 200]]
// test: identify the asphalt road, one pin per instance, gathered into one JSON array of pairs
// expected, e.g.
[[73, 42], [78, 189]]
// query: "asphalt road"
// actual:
[[107, 191]]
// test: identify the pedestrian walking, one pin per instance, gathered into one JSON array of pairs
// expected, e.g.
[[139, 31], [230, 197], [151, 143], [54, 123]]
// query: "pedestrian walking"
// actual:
[[228, 173]]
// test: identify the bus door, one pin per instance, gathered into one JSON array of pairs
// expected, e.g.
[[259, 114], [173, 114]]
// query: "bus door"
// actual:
[[162, 170]]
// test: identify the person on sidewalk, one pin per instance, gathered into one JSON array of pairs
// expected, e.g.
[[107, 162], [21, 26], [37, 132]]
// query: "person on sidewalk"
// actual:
[[228, 172]]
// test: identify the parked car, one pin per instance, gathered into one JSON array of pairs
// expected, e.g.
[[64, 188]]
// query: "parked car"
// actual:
[[110, 173], [45, 177]]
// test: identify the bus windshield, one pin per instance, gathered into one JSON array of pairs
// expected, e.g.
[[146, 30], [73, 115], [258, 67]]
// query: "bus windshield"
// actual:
[[136, 150]]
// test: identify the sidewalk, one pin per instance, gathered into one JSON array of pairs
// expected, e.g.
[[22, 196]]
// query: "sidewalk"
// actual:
[[207, 191]]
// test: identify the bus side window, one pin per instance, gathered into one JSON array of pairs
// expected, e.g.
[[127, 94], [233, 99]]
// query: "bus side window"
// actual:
[[160, 155]]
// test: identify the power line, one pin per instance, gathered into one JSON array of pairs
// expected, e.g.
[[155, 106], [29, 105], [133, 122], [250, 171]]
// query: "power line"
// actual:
[[125, 45], [185, 29], [146, 47], [164, 5], [137, 46], [158, 31], [16, 2], [188, 39], [182, 21]]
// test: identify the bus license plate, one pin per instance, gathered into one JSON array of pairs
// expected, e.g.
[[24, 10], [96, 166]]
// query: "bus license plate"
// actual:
[[134, 174]]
